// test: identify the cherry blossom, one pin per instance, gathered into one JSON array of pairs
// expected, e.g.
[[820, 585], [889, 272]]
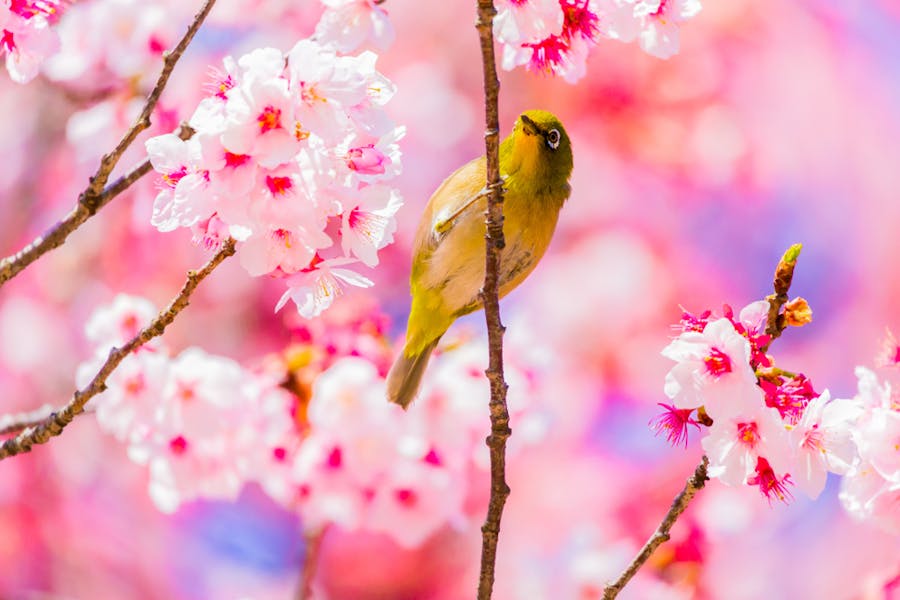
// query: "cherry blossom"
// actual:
[[822, 441], [734, 443], [283, 145], [26, 38], [713, 370], [348, 25], [659, 20]]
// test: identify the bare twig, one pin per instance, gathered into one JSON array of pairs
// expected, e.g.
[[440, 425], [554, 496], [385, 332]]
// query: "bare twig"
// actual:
[[15, 423], [96, 194], [776, 324], [54, 424], [494, 240], [310, 563], [679, 504]]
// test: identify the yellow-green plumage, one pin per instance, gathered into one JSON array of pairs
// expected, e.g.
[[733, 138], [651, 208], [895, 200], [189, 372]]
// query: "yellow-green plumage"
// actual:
[[448, 252]]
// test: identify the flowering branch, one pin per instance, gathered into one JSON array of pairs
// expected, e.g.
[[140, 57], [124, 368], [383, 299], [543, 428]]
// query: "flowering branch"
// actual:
[[776, 324], [54, 424], [96, 195], [694, 484], [494, 240]]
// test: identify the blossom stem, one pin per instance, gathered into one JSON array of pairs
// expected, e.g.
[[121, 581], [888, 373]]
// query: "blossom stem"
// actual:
[[97, 195], [494, 241], [310, 563], [53, 425], [694, 484]]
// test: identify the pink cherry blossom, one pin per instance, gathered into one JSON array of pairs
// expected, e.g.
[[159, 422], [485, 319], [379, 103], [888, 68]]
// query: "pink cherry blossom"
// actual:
[[368, 224], [659, 19], [736, 441], [26, 39], [713, 370], [315, 289], [822, 441], [116, 323], [182, 200], [348, 25], [261, 121]]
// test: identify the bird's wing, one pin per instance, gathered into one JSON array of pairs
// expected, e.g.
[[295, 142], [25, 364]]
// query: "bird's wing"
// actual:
[[457, 195]]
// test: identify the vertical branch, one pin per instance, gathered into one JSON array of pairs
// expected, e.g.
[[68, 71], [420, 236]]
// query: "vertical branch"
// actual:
[[500, 430]]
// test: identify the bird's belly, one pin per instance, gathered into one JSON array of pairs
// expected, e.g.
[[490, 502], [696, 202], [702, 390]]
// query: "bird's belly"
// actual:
[[460, 281]]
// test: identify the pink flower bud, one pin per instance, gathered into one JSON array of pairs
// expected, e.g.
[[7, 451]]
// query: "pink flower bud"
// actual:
[[368, 160]]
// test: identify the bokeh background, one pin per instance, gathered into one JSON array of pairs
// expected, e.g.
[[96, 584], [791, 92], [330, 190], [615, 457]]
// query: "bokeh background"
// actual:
[[776, 123]]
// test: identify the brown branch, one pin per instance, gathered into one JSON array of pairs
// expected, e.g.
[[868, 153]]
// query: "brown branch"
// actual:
[[96, 195], [310, 563], [691, 487], [15, 423], [776, 324], [54, 424], [784, 275], [500, 431]]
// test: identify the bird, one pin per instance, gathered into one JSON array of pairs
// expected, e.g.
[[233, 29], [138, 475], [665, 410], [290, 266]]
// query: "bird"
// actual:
[[448, 263]]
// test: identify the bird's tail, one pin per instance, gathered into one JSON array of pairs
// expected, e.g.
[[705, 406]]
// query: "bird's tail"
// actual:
[[406, 373]]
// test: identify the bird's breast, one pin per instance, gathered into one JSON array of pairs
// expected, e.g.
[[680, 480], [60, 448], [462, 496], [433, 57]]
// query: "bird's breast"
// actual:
[[455, 269]]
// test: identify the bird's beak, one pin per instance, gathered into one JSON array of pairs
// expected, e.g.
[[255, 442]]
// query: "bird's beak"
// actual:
[[529, 126]]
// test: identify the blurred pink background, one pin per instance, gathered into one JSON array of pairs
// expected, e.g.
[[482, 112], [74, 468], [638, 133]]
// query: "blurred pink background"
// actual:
[[777, 123]]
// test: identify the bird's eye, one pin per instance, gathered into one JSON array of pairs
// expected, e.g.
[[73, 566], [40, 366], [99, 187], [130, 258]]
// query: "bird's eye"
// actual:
[[553, 138]]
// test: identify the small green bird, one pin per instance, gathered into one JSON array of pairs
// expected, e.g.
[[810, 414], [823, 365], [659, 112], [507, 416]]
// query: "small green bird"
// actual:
[[449, 249]]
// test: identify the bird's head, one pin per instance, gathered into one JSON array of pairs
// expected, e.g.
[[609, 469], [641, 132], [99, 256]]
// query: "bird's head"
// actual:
[[539, 149]]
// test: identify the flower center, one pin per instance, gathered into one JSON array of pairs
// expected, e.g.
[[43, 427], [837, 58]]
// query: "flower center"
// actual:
[[748, 434], [269, 119], [278, 185], [717, 363]]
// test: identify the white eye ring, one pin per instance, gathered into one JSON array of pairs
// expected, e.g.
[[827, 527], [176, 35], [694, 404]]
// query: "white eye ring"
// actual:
[[553, 138]]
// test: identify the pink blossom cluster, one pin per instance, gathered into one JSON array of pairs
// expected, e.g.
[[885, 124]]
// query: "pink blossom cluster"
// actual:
[[290, 158], [368, 465], [26, 37], [870, 491], [555, 36], [767, 427], [202, 424]]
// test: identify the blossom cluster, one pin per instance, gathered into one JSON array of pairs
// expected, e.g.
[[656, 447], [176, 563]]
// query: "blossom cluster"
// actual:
[[290, 157], [26, 37], [312, 427], [201, 423], [769, 427], [555, 36]]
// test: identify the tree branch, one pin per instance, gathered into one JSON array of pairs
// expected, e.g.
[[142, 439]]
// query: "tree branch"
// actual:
[[494, 241], [96, 195], [775, 326], [310, 563], [679, 504], [15, 423], [53, 425]]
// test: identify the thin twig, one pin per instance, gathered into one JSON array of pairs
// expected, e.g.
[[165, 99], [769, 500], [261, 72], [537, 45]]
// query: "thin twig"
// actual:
[[679, 504], [54, 424], [784, 275], [776, 324], [310, 563], [500, 431], [15, 423], [96, 194]]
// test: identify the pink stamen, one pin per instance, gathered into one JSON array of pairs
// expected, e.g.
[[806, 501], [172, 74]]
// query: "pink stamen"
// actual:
[[278, 185], [768, 482], [674, 423], [269, 119], [178, 445], [748, 434], [406, 497], [717, 363]]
